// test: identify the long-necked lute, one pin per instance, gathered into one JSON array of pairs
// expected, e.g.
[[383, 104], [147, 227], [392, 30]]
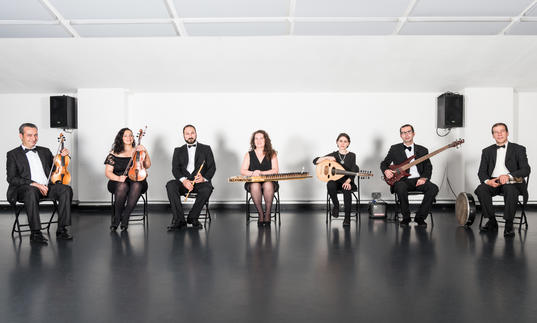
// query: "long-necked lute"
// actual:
[[270, 178], [329, 170], [400, 170]]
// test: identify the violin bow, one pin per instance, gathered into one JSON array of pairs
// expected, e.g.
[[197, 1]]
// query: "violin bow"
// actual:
[[199, 171]]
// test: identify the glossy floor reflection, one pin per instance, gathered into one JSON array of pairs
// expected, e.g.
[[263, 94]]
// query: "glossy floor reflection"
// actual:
[[301, 271]]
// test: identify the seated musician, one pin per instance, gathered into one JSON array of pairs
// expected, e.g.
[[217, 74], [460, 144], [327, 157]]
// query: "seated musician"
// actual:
[[28, 168], [500, 164], [127, 192], [186, 163], [347, 159], [419, 179], [261, 160]]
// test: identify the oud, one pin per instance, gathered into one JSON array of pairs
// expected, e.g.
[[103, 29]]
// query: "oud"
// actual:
[[329, 170]]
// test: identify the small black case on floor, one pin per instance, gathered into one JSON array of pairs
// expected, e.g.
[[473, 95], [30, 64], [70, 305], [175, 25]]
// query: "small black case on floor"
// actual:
[[377, 210]]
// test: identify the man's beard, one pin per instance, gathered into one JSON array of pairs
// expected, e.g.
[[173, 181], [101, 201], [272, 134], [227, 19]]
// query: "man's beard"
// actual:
[[190, 141]]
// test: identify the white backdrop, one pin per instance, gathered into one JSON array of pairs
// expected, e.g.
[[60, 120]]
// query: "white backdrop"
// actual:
[[301, 126]]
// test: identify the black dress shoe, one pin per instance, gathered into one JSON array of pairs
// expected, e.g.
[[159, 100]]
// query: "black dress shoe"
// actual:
[[38, 238], [509, 232], [64, 235], [347, 221], [405, 222], [335, 211], [189, 220], [113, 228], [177, 226], [197, 224], [421, 223], [491, 226], [123, 228]]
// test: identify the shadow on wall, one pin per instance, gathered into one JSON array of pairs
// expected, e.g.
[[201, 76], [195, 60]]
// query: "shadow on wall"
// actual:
[[301, 189], [228, 164], [92, 183], [372, 163], [452, 176], [161, 170]]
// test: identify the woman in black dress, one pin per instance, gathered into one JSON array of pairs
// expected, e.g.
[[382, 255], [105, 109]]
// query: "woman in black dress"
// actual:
[[127, 192], [347, 159], [261, 160]]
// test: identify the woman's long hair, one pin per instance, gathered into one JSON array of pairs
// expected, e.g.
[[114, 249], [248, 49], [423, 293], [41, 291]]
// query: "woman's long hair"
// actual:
[[269, 152], [118, 146]]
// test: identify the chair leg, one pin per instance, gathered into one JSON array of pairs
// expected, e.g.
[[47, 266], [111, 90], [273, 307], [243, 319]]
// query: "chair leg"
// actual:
[[247, 208], [146, 217], [397, 207], [481, 220], [359, 201], [16, 225], [328, 208], [358, 215], [54, 210]]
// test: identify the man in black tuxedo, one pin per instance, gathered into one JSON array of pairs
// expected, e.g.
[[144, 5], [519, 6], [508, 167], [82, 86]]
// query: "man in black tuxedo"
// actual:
[[28, 167], [186, 162], [419, 179], [500, 164]]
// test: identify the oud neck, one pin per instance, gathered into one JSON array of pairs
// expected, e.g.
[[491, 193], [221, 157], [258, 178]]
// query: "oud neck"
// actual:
[[424, 158]]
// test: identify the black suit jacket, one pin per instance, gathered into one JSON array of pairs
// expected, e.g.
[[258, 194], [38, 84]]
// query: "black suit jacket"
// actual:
[[203, 153], [18, 169], [397, 155], [516, 161]]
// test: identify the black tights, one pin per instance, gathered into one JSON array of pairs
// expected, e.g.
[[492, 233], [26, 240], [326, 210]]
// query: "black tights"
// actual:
[[259, 190], [128, 192]]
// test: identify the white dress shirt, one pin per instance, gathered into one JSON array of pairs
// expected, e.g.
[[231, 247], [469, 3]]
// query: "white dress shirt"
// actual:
[[499, 167], [413, 170], [190, 167], [36, 167]]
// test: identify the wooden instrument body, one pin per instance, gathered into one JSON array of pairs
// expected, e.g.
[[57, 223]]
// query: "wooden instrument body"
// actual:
[[399, 172], [137, 171], [60, 163], [465, 209], [329, 170], [270, 178]]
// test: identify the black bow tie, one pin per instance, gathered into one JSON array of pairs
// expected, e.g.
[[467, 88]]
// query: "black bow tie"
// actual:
[[190, 146], [498, 146], [409, 148], [27, 150]]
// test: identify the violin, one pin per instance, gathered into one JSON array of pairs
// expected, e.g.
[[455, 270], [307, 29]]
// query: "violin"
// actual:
[[137, 171], [60, 164]]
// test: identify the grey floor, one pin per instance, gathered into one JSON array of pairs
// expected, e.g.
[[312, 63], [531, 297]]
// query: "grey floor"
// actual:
[[304, 270]]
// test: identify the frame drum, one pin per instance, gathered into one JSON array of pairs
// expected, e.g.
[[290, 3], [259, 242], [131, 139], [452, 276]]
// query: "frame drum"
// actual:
[[465, 209]]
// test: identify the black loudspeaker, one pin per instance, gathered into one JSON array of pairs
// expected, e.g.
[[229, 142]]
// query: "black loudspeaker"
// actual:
[[63, 112], [450, 111]]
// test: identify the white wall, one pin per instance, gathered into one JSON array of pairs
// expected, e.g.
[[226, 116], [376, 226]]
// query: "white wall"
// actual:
[[301, 126]]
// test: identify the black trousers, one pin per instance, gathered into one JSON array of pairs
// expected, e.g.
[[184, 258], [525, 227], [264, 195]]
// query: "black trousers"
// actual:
[[175, 189], [30, 196], [334, 186], [510, 192], [429, 189]]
